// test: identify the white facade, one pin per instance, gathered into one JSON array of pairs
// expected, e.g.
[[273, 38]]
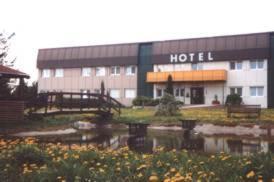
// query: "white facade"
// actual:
[[243, 78]]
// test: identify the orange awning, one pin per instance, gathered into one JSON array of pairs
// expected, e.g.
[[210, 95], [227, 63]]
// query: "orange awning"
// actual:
[[188, 76]]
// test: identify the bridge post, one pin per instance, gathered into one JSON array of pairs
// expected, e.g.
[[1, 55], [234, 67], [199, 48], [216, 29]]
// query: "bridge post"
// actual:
[[61, 101], [81, 100]]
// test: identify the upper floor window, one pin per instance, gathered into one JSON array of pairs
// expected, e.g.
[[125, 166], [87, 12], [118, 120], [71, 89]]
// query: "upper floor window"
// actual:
[[257, 64], [256, 91], [236, 90], [115, 70], [236, 65], [130, 70], [100, 71], [59, 73], [196, 66], [86, 72], [46, 73]]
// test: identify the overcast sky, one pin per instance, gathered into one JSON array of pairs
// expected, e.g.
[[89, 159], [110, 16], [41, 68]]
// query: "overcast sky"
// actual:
[[58, 23]]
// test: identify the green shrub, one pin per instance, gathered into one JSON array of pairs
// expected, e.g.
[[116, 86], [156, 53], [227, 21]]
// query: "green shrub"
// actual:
[[233, 99], [145, 101], [168, 106], [29, 154]]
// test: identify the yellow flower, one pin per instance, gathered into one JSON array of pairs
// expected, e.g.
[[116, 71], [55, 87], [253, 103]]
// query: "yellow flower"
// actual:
[[59, 177], [140, 175], [250, 174], [153, 179], [172, 170]]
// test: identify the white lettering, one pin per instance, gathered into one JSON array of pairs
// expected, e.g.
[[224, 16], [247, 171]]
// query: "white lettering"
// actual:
[[191, 55], [182, 57], [201, 56], [173, 58], [209, 56]]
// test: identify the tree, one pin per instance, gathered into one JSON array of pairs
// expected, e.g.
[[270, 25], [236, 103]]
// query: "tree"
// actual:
[[28, 92], [5, 90], [102, 88], [169, 87], [4, 49]]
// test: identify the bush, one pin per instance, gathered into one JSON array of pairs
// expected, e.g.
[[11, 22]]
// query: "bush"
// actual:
[[29, 154], [145, 101], [168, 106], [233, 99]]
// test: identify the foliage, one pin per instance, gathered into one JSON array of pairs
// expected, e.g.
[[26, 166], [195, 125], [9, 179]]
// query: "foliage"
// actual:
[[233, 99], [4, 49], [145, 101], [88, 163], [5, 90], [28, 92], [168, 106], [102, 88], [169, 87]]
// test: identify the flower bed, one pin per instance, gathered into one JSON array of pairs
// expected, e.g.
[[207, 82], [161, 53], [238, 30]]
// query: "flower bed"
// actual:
[[29, 161]]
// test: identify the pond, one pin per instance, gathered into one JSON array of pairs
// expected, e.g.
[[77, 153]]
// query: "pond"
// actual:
[[195, 140]]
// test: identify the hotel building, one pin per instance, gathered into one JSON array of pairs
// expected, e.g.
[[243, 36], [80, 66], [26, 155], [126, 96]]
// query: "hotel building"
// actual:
[[201, 69]]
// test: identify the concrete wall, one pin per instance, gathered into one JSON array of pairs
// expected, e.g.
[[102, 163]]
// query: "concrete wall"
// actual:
[[73, 81]]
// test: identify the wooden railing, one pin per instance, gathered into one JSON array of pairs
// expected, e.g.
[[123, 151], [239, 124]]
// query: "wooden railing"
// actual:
[[71, 100]]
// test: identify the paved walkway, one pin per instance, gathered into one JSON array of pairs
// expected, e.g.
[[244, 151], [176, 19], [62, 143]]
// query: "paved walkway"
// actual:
[[198, 106]]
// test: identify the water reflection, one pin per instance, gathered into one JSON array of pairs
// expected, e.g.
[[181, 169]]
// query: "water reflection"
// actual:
[[146, 142]]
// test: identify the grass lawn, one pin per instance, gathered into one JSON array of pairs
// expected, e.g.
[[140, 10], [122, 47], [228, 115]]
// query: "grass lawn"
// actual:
[[28, 161], [205, 115]]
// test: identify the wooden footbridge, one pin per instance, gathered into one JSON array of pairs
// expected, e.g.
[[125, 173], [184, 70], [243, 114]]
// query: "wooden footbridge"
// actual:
[[53, 103]]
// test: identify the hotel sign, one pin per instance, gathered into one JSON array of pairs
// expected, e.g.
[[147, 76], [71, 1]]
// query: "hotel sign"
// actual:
[[190, 57]]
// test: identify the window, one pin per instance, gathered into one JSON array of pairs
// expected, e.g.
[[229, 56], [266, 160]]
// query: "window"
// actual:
[[257, 64], [196, 66], [100, 71], [236, 65], [86, 72], [236, 90], [46, 73], [159, 92], [130, 70], [130, 93], [59, 73], [177, 92], [115, 70], [256, 91], [115, 93], [182, 92]]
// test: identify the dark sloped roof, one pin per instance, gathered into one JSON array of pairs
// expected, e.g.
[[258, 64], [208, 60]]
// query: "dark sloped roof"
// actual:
[[11, 73], [127, 54]]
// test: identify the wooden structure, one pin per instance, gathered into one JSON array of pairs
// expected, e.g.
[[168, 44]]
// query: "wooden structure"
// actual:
[[188, 124], [244, 109], [53, 103], [137, 128], [11, 107]]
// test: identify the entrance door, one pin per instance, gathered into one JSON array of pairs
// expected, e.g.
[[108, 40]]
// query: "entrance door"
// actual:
[[197, 95]]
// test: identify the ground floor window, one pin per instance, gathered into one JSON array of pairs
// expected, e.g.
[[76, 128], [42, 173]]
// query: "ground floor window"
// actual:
[[115, 93], [130, 93], [256, 91], [236, 90], [159, 92], [179, 92]]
